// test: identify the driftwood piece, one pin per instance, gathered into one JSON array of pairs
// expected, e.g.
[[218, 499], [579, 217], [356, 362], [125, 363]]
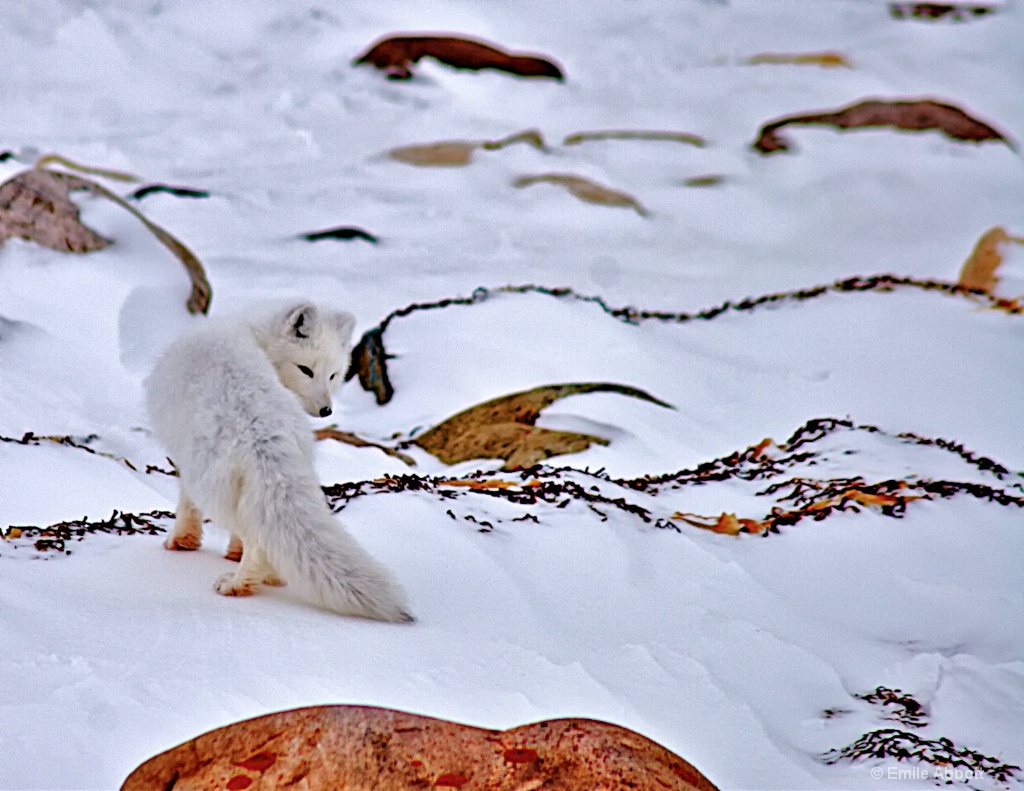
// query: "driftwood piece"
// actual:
[[912, 115], [503, 428], [585, 190], [35, 205], [345, 748], [397, 54]]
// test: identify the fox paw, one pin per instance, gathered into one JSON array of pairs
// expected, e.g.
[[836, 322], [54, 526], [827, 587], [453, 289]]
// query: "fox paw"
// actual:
[[274, 581], [233, 554], [227, 585], [185, 542]]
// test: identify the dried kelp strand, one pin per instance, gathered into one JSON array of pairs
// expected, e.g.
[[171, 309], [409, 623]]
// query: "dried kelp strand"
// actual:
[[177, 192], [899, 707], [905, 745], [635, 134], [56, 537], [344, 233], [369, 358], [57, 159]]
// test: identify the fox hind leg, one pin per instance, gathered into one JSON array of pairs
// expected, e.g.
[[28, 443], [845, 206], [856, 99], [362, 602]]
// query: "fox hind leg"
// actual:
[[234, 549], [253, 571], [187, 532]]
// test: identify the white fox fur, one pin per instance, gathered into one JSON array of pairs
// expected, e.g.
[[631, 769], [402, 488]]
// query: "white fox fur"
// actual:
[[227, 401]]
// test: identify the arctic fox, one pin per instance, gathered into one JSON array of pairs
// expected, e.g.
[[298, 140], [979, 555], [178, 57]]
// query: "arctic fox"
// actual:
[[227, 401]]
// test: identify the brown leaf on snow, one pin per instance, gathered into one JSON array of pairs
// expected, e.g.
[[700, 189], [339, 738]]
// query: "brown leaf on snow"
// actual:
[[451, 153], [710, 180], [584, 189], [727, 524], [829, 60], [632, 134], [760, 448], [503, 428], [979, 270], [913, 115], [879, 500], [490, 483], [35, 205], [357, 747], [397, 54], [456, 153]]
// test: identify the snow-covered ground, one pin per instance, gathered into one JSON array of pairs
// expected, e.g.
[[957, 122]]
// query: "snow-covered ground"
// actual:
[[748, 656]]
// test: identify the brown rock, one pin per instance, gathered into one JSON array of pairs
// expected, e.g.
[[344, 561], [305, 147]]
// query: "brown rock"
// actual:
[[34, 205], [397, 54], [344, 748], [914, 115], [503, 428]]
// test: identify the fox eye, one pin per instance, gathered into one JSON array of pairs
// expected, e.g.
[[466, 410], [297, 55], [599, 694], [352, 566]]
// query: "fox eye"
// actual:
[[307, 371]]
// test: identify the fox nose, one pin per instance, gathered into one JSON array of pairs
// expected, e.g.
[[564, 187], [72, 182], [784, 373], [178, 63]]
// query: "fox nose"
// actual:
[[325, 411]]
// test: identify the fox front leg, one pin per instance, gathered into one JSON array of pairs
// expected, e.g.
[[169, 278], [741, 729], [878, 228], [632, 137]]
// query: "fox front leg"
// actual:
[[234, 549], [188, 525]]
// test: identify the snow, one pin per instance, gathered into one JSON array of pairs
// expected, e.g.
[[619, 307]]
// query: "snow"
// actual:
[[726, 649]]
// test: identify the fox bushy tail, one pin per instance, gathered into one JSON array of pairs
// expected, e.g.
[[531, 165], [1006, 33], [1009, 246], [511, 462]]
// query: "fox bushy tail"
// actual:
[[288, 518]]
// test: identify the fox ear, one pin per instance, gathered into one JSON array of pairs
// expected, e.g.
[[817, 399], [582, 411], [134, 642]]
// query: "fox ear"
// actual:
[[345, 323], [299, 320]]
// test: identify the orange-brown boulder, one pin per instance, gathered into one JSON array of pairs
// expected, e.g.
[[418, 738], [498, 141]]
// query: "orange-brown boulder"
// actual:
[[397, 54], [344, 748]]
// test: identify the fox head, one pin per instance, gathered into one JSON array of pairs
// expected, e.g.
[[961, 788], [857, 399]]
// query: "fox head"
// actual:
[[309, 348]]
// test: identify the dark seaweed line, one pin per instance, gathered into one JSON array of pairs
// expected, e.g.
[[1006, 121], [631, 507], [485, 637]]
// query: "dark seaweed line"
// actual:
[[57, 536], [31, 438], [752, 464], [907, 746], [552, 487], [906, 710], [632, 315], [549, 488], [552, 491]]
